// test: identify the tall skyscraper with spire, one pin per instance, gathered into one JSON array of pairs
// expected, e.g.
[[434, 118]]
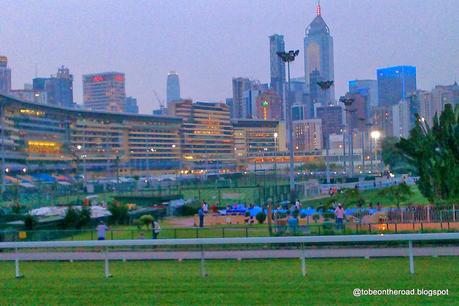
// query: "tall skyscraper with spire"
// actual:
[[318, 53], [173, 87]]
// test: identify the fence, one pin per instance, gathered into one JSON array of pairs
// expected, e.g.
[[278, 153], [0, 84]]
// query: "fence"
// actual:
[[234, 231], [301, 241]]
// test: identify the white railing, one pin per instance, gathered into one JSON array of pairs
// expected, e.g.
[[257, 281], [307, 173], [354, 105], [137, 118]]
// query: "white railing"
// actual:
[[105, 244]]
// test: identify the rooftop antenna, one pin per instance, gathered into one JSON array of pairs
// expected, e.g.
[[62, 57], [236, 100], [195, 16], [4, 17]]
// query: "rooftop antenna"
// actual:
[[318, 10]]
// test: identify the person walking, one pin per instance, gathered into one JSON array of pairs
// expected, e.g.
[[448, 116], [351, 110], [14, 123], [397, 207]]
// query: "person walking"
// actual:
[[101, 230], [201, 217], [156, 229], [339, 213]]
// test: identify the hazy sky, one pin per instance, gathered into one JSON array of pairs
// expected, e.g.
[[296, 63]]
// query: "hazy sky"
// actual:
[[210, 41]]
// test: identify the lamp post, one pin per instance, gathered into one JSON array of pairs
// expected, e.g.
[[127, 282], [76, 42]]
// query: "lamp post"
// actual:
[[347, 101], [362, 120], [325, 85], [2, 123], [275, 161], [288, 57], [375, 135]]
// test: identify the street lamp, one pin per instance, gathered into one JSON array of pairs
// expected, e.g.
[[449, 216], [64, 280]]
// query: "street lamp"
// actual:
[[288, 57], [325, 85], [275, 160], [375, 135], [348, 101]]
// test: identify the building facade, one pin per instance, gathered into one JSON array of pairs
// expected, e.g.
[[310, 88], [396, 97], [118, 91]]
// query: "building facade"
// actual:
[[130, 105], [207, 138], [307, 135], [277, 66], [331, 118], [368, 88], [104, 91], [395, 84], [240, 86], [5, 75], [58, 88], [318, 53], [173, 87], [44, 138]]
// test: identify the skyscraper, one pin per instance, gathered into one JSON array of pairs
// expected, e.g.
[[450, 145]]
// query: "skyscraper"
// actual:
[[276, 44], [104, 91], [318, 52], [240, 85], [130, 105], [395, 84], [173, 87], [442, 95], [58, 88], [5, 75], [367, 88]]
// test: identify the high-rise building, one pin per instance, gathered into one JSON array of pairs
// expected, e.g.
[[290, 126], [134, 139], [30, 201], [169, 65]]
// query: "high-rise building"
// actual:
[[332, 119], [240, 85], [442, 95], [276, 44], [367, 88], [207, 135], [250, 103], [269, 106], [421, 105], [318, 52], [130, 105], [395, 84], [30, 94], [173, 87], [104, 91], [58, 88], [382, 120], [5, 75], [307, 135], [401, 119], [360, 111]]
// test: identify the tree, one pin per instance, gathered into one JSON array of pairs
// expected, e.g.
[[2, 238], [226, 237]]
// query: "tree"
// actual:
[[30, 222], [394, 158], [84, 217], [261, 217], [147, 220], [120, 213], [353, 197], [70, 219], [434, 151], [398, 193]]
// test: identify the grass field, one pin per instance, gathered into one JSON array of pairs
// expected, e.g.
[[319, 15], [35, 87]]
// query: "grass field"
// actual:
[[246, 282]]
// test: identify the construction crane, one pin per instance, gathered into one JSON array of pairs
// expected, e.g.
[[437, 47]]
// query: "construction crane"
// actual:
[[160, 101]]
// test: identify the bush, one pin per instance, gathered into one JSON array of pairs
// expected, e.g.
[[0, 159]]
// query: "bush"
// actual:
[[120, 213], [187, 210], [137, 223], [146, 220], [30, 222], [84, 217], [70, 219], [316, 217], [261, 217], [328, 215]]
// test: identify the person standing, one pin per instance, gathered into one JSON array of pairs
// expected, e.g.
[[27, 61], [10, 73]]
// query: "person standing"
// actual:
[[201, 217], [101, 230], [205, 207], [156, 229], [339, 213]]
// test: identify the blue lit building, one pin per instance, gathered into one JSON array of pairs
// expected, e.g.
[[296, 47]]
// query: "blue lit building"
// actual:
[[368, 88], [395, 84]]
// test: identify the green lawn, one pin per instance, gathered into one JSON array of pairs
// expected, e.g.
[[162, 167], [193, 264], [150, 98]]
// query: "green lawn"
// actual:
[[248, 282], [374, 196]]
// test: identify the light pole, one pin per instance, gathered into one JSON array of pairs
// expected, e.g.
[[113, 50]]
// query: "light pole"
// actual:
[[375, 135], [362, 120], [2, 123], [325, 85], [79, 147], [275, 161], [347, 101], [288, 57]]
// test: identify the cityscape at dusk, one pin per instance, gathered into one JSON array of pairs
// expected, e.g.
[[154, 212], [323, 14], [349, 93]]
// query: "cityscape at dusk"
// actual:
[[201, 149]]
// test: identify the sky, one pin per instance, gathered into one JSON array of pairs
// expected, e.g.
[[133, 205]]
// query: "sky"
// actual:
[[210, 41]]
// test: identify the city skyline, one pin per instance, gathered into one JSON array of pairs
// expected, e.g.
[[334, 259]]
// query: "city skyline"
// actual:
[[45, 47]]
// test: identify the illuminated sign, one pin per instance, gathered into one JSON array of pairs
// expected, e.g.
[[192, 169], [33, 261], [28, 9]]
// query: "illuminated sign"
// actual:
[[31, 112], [98, 78], [119, 78]]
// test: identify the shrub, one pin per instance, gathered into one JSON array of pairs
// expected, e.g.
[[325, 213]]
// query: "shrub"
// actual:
[[146, 220], [247, 213], [70, 219], [84, 217], [328, 215], [261, 217], [120, 213], [316, 217], [137, 223], [30, 222]]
